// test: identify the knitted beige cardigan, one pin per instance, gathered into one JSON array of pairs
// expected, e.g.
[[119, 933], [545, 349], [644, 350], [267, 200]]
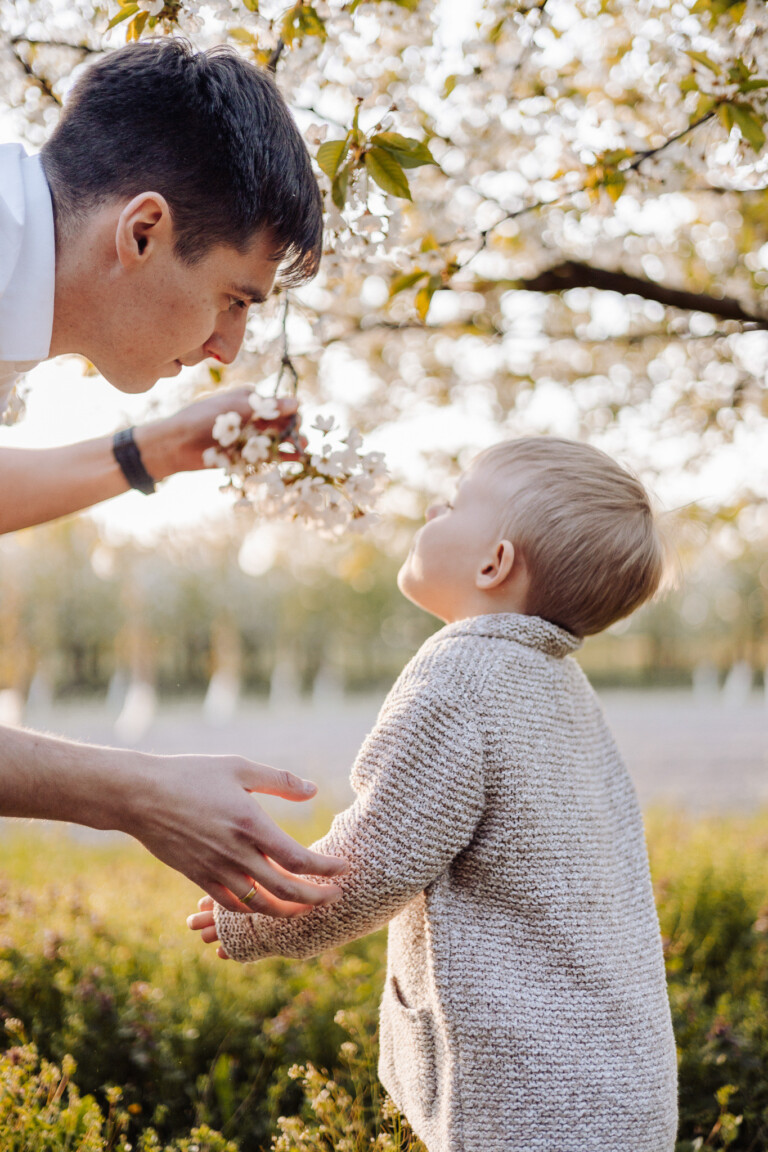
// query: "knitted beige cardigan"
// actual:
[[495, 825]]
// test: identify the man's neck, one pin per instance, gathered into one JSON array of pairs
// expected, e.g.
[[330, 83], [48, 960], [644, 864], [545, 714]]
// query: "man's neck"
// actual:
[[82, 282]]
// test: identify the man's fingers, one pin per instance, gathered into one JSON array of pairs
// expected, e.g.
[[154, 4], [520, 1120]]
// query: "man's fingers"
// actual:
[[274, 782], [271, 841], [226, 897]]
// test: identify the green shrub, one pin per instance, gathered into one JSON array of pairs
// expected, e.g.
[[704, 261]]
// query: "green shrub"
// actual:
[[98, 966]]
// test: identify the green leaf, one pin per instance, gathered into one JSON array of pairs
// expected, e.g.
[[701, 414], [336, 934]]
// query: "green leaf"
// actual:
[[124, 14], [387, 172], [137, 26], [330, 155], [725, 112], [425, 294], [702, 58], [738, 72], [312, 24], [614, 184], [753, 85], [243, 36], [405, 280], [408, 153], [704, 105], [750, 126], [251, 5], [301, 21], [339, 186]]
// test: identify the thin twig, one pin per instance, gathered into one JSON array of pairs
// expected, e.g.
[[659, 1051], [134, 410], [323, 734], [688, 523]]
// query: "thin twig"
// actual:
[[41, 83], [645, 155], [628, 165], [286, 364], [539, 7], [275, 55]]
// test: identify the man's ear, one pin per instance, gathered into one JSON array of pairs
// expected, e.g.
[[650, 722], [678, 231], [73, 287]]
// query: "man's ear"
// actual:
[[143, 223], [495, 569]]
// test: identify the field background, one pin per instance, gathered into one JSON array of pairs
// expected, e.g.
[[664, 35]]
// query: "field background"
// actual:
[[99, 975]]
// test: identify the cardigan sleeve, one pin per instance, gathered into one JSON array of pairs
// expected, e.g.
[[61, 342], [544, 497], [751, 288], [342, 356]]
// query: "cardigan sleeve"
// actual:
[[420, 795]]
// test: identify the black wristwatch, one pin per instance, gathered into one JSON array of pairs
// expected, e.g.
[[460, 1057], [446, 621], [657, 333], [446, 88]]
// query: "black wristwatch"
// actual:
[[126, 452]]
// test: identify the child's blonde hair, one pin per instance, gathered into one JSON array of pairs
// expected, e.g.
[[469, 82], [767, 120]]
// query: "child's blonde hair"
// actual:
[[585, 528]]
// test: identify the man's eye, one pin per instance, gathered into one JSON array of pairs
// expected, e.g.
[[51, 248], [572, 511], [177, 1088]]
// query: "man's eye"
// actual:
[[238, 303]]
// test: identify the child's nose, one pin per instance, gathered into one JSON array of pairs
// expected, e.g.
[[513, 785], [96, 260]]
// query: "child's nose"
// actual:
[[432, 511]]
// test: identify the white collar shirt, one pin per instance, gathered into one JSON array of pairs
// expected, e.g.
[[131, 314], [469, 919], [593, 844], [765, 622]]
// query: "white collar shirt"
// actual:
[[27, 266]]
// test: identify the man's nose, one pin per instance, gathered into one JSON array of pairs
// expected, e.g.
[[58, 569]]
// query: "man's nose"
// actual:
[[226, 338]]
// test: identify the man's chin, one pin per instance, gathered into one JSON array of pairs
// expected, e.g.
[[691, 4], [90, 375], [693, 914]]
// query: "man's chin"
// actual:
[[140, 382]]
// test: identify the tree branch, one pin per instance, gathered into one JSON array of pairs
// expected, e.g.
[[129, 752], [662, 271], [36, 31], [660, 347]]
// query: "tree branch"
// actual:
[[275, 55], [573, 274], [41, 83]]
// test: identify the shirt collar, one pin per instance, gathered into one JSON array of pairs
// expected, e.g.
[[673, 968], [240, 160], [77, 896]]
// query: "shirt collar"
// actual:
[[27, 257], [531, 631]]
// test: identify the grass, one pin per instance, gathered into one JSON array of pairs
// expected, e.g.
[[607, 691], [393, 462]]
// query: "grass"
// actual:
[[123, 1031]]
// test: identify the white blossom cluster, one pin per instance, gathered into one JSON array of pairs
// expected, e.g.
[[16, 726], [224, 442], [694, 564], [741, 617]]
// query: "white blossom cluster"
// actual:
[[522, 106], [331, 488]]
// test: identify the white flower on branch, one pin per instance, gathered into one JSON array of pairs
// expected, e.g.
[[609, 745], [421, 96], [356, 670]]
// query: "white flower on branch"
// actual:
[[213, 458], [316, 133], [153, 7], [226, 428], [332, 489], [256, 449], [264, 407]]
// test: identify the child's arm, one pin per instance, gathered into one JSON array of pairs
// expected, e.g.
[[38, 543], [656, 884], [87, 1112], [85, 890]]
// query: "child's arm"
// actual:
[[420, 796]]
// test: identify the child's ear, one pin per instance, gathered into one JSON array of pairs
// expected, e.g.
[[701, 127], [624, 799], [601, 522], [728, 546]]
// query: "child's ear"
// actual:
[[495, 569]]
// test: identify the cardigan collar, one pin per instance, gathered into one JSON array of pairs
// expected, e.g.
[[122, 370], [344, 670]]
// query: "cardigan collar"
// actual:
[[531, 631]]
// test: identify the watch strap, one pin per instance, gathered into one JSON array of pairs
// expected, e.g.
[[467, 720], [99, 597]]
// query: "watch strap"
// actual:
[[127, 455]]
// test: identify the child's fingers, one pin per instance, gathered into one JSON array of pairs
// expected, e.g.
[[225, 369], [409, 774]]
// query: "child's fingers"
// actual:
[[205, 903], [222, 955], [201, 920]]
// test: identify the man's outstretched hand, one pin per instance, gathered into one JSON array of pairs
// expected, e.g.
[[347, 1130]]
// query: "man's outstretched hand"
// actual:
[[194, 813]]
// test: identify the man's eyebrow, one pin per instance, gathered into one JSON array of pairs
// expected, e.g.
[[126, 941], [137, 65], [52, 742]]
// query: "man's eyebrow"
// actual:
[[255, 295]]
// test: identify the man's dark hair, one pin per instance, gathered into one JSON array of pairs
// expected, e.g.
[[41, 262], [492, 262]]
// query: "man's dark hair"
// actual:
[[208, 131]]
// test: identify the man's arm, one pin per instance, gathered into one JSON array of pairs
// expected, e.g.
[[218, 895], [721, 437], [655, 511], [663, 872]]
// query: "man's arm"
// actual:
[[421, 795], [41, 484], [192, 812]]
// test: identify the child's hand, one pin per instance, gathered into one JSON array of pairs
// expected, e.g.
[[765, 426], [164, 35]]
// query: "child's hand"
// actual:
[[204, 923]]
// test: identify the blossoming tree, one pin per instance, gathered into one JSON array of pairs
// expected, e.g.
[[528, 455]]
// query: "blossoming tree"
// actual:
[[524, 198]]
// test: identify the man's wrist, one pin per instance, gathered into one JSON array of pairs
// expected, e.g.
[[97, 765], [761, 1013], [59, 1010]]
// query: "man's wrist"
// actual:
[[156, 442]]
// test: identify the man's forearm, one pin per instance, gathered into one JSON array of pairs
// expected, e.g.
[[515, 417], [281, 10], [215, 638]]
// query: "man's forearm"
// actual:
[[37, 485], [192, 812], [41, 484], [42, 777]]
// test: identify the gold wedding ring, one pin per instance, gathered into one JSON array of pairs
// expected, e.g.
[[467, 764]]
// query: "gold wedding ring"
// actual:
[[250, 893]]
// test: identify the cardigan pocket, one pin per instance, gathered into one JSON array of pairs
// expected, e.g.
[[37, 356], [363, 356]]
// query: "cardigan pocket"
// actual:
[[412, 1055]]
